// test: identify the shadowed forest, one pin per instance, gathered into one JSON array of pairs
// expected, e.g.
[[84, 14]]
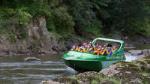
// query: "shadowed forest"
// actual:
[[79, 17]]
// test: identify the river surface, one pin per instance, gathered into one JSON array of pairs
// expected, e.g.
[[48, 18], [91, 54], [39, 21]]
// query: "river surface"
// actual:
[[14, 70]]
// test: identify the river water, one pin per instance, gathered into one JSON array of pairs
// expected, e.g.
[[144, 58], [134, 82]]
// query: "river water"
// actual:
[[14, 70]]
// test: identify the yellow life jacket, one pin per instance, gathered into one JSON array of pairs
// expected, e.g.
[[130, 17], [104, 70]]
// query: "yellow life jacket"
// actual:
[[82, 50], [77, 49], [85, 50], [103, 51]]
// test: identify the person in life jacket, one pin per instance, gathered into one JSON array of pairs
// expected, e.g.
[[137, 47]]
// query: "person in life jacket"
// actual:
[[73, 47], [95, 47], [82, 49], [87, 47], [114, 48], [90, 48], [111, 49], [103, 50], [97, 50], [77, 48], [108, 49]]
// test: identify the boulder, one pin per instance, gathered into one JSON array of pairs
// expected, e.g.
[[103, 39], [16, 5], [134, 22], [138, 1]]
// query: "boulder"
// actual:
[[110, 71], [31, 59], [146, 52], [49, 82], [136, 52]]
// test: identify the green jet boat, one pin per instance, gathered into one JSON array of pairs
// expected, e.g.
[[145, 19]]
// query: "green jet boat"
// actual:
[[89, 62]]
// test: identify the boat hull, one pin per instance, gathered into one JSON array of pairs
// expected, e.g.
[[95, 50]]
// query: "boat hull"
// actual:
[[82, 65], [89, 62]]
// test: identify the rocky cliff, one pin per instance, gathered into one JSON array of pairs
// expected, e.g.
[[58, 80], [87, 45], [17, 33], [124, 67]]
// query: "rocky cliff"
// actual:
[[34, 38], [38, 40]]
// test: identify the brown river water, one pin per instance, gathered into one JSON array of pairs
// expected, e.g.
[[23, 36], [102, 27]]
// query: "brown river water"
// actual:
[[14, 70]]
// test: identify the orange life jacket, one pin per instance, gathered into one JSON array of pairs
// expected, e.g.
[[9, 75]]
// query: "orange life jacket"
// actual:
[[77, 49], [97, 51], [103, 51]]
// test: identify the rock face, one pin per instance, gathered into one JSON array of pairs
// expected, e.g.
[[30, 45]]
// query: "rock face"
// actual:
[[110, 71], [146, 52], [38, 41]]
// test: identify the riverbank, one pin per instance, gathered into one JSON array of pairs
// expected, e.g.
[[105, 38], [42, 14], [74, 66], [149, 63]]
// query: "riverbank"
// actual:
[[135, 72], [55, 46]]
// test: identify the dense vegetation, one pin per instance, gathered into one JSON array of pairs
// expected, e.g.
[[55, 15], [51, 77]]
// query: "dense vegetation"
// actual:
[[79, 17]]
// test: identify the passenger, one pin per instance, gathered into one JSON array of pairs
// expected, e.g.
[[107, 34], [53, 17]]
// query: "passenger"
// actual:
[[95, 48], [73, 47], [103, 50], [108, 49], [97, 51], [83, 47], [114, 48], [77, 49], [86, 47], [90, 48]]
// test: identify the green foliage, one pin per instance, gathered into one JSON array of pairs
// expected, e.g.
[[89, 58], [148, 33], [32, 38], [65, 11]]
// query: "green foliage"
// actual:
[[146, 27], [94, 28], [65, 17], [6, 13], [85, 17], [127, 16], [39, 8], [23, 16], [63, 21], [13, 22]]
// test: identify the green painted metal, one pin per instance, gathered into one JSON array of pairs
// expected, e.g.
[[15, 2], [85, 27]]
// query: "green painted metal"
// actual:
[[90, 62]]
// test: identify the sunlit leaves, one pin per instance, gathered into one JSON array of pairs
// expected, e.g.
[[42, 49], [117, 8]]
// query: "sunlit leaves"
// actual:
[[23, 16]]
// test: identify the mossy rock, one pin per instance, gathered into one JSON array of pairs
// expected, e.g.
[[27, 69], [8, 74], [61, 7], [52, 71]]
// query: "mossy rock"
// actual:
[[68, 80]]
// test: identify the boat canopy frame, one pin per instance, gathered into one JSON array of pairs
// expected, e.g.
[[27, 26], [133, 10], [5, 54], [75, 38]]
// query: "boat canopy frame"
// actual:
[[110, 40]]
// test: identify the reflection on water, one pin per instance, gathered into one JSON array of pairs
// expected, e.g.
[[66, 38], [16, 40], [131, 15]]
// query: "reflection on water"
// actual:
[[14, 70]]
